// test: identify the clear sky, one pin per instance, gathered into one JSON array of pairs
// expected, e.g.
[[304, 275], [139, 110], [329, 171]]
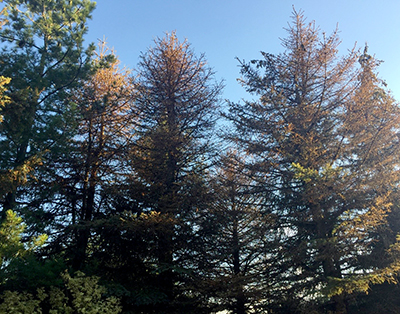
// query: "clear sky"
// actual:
[[225, 29]]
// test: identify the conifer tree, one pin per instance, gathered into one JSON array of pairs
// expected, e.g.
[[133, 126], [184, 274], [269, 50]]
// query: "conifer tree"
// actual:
[[43, 55], [92, 162], [178, 101], [323, 149], [236, 242]]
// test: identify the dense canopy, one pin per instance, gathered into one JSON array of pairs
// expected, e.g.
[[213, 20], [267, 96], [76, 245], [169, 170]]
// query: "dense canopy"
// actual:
[[142, 191]]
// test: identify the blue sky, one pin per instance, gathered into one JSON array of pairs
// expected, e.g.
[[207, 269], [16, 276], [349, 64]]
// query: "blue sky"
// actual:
[[225, 29]]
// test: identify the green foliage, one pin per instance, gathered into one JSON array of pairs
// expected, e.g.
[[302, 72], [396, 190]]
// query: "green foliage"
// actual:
[[11, 246], [87, 296], [42, 52], [80, 295], [3, 98], [10, 234], [20, 302], [43, 45], [316, 176], [19, 267]]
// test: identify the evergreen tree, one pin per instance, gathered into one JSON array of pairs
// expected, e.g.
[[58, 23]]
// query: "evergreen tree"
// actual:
[[236, 242], [93, 162], [312, 141], [177, 101], [43, 55]]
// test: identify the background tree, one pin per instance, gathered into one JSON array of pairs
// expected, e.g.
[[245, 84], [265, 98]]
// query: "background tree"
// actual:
[[321, 170], [236, 242]]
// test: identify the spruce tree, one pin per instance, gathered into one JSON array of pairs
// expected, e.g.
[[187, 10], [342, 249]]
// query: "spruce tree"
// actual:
[[178, 100], [323, 151], [236, 242]]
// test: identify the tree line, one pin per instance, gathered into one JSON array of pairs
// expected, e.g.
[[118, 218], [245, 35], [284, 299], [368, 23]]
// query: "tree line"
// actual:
[[120, 193]]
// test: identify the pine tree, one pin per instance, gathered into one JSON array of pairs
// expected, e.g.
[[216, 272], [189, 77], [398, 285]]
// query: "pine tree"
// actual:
[[43, 55]]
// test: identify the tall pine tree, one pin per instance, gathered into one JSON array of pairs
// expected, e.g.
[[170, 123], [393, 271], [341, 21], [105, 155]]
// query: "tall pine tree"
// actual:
[[43, 54]]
